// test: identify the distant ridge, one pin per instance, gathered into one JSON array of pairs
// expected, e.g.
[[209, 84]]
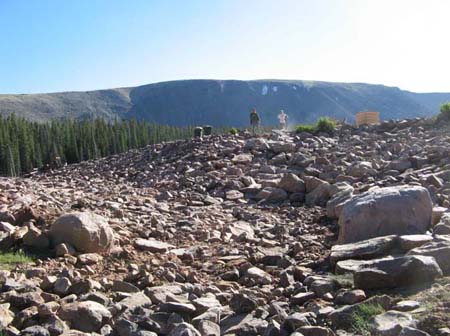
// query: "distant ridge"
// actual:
[[226, 102]]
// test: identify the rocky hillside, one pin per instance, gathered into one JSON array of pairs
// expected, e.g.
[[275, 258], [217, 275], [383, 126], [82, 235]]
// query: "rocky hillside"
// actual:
[[281, 234], [227, 102]]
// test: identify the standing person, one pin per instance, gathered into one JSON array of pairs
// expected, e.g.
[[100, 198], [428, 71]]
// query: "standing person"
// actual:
[[282, 117], [254, 121]]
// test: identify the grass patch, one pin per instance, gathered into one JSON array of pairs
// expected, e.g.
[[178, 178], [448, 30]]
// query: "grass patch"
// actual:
[[362, 316], [343, 280], [9, 260], [436, 301], [323, 125]]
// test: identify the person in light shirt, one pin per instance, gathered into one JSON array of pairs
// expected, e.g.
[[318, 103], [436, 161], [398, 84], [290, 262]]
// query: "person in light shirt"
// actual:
[[282, 117]]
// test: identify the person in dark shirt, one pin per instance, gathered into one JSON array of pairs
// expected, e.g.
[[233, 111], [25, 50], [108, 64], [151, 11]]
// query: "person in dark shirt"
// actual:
[[254, 121]]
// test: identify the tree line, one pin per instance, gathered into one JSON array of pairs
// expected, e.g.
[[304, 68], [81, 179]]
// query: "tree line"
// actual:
[[25, 145]]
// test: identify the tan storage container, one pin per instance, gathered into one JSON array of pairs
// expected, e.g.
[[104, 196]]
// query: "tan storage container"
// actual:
[[367, 118]]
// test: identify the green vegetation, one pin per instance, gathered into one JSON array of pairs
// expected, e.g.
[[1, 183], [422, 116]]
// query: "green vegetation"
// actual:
[[25, 145], [361, 317], [444, 114], [326, 125], [9, 259], [234, 131], [344, 280], [323, 125], [309, 128]]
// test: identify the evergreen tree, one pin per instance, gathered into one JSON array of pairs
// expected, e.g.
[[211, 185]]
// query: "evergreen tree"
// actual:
[[25, 145]]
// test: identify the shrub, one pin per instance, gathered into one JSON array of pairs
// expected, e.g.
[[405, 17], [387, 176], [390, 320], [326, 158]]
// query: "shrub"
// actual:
[[234, 131], [361, 317], [306, 128], [326, 125], [444, 114], [323, 125]]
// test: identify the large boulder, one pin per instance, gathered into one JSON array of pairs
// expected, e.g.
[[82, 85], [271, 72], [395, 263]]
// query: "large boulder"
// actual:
[[386, 211], [85, 231], [397, 272]]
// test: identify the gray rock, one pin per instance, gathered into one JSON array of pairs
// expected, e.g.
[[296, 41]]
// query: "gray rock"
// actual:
[[272, 194], [409, 331], [338, 199], [361, 169], [35, 331], [297, 320], [315, 331], [397, 272], [123, 286], [63, 249], [441, 229], [34, 238], [85, 231], [184, 329], [400, 165], [152, 245], [409, 242], [439, 250], [343, 317], [135, 300], [391, 323], [242, 303], [209, 328], [352, 265], [397, 210], [86, 316], [292, 183], [322, 286], [319, 196], [366, 249], [407, 305], [62, 286], [242, 159], [259, 276], [25, 300], [301, 298], [350, 297], [178, 307], [6, 316]]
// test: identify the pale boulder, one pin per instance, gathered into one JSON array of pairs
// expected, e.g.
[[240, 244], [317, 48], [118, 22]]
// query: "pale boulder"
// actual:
[[380, 212], [85, 231]]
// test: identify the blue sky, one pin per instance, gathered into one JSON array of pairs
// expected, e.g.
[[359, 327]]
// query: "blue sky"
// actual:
[[58, 45]]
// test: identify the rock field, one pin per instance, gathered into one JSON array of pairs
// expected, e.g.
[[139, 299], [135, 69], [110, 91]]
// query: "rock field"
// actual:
[[275, 235]]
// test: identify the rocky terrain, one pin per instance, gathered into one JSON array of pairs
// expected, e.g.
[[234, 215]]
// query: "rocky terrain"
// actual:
[[226, 102], [279, 234]]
